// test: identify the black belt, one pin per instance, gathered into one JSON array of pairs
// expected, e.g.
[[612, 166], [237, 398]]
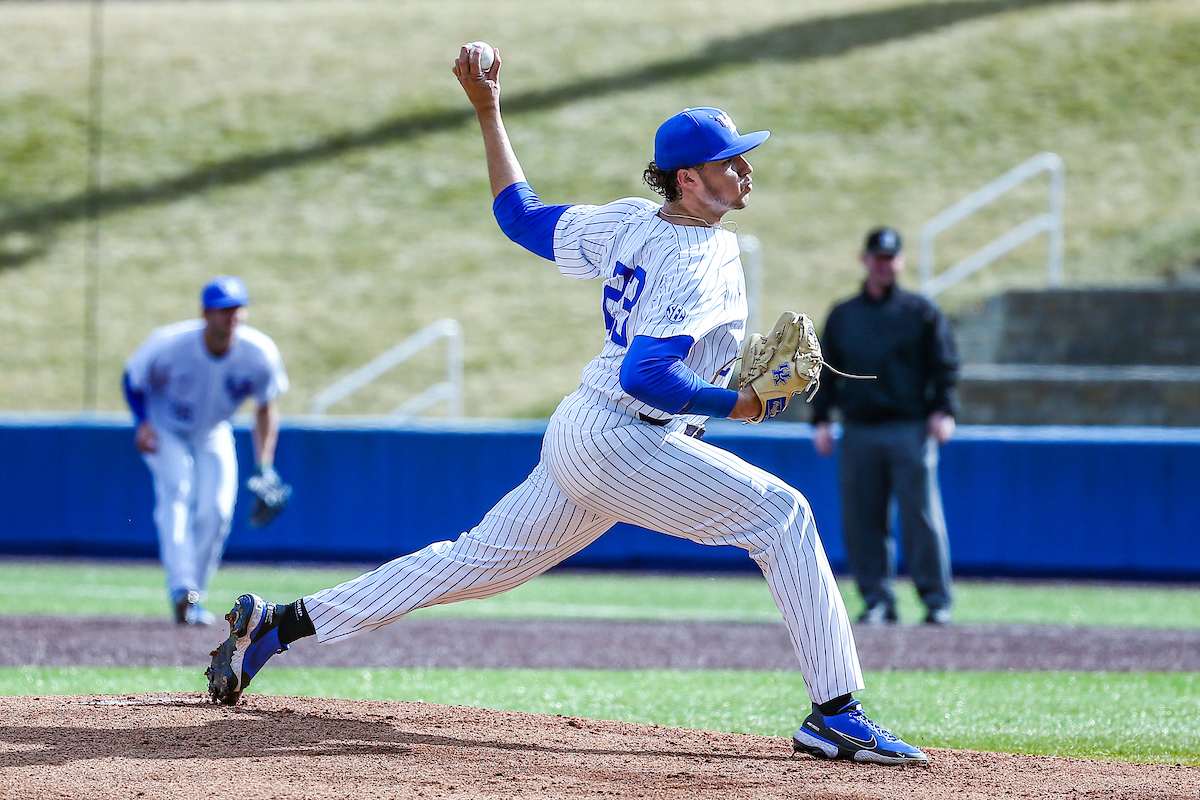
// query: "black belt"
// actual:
[[694, 431]]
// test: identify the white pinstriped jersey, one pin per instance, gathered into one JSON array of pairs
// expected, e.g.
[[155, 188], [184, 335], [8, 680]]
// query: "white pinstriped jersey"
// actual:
[[660, 280], [601, 465], [189, 390]]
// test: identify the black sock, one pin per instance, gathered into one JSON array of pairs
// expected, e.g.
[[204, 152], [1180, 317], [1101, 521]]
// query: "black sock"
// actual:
[[835, 705], [293, 622]]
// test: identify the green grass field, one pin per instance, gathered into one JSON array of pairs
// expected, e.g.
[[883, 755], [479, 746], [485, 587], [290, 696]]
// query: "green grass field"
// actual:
[[135, 589], [323, 151], [1149, 717]]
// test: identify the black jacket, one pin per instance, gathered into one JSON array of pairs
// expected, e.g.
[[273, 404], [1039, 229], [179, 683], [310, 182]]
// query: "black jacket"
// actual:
[[904, 340]]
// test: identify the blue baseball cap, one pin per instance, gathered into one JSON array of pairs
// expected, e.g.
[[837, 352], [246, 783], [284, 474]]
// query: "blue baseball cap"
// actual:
[[223, 291], [696, 135]]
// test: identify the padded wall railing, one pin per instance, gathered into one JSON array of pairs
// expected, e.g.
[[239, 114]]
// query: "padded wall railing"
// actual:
[[1083, 502]]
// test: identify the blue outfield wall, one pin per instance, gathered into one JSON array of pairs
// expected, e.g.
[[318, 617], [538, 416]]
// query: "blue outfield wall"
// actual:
[[1040, 501]]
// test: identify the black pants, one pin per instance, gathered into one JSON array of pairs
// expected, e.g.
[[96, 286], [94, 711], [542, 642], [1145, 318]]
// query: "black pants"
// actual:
[[876, 464]]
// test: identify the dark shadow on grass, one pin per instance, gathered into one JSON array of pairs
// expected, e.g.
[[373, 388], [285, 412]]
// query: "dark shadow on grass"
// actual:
[[806, 40]]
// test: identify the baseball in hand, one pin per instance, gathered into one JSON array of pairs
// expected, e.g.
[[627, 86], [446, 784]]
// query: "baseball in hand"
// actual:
[[486, 54]]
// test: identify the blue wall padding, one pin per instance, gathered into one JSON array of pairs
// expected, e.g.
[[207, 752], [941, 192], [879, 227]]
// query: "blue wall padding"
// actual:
[[1041, 501]]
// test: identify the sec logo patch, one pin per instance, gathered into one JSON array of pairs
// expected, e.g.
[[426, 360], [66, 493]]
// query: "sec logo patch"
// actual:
[[676, 313]]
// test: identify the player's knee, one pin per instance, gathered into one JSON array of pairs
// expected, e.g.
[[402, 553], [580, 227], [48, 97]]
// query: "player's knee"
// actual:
[[790, 509], [171, 492]]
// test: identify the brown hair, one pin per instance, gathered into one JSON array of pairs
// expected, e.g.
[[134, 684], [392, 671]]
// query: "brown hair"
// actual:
[[662, 181]]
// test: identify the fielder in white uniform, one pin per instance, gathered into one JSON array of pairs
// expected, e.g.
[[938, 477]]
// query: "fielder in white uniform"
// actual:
[[183, 384], [625, 446]]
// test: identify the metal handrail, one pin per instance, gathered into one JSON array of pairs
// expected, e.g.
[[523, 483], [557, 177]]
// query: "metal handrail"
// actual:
[[1050, 223], [449, 390]]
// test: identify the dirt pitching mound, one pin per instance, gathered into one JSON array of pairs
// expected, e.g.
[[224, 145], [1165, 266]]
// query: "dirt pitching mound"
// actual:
[[179, 745]]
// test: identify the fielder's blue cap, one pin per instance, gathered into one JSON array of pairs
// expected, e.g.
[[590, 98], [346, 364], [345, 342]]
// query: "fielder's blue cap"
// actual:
[[696, 135], [223, 291]]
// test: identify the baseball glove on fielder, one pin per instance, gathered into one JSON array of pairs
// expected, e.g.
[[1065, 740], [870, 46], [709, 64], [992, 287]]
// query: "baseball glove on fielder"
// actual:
[[271, 496]]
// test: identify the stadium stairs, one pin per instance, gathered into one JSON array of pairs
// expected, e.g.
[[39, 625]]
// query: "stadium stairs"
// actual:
[[1110, 356]]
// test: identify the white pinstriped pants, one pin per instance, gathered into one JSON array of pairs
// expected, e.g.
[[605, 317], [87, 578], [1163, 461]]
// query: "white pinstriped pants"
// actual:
[[588, 480]]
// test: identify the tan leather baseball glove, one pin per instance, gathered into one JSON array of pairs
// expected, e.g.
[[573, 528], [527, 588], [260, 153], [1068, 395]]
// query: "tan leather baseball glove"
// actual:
[[785, 362]]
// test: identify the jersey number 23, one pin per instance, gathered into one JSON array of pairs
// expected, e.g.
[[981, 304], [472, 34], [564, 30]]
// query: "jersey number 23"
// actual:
[[621, 292]]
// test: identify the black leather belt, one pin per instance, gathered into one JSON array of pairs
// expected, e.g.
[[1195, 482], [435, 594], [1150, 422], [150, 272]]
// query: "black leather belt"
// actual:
[[694, 431]]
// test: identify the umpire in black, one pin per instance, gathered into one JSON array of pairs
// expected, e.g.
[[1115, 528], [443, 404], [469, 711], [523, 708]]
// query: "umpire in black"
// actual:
[[892, 428]]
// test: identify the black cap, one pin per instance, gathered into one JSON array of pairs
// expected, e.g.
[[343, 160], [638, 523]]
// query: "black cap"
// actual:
[[883, 242]]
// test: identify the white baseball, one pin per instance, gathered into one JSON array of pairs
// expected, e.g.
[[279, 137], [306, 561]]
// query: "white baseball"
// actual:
[[486, 54]]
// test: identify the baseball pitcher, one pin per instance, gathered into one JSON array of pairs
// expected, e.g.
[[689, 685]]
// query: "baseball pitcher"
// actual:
[[626, 446]]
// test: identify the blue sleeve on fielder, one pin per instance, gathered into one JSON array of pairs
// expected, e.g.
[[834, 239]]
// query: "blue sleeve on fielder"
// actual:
[[526, 220], [653, 372], [136, 399]]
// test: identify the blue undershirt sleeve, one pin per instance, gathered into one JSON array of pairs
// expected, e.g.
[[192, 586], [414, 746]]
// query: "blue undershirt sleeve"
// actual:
[[653, 372], [526, 220], [136, 399]]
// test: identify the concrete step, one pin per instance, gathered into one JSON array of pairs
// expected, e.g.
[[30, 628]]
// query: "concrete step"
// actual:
[[1106, 356], [1030, 394], [1158, 326]]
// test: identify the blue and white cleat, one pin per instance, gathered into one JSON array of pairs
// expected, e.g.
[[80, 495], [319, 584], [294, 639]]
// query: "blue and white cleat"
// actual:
[[253, 638], [850, 735]]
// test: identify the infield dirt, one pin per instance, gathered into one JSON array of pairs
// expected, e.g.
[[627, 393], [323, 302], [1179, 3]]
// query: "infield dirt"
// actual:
[[175, 746], [288, 748]]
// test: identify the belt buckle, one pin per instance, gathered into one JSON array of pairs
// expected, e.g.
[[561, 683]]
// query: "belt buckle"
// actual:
[[694, 431]]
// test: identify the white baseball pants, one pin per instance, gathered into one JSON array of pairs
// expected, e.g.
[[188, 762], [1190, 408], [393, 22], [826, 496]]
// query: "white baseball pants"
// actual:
[[195, 487]]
